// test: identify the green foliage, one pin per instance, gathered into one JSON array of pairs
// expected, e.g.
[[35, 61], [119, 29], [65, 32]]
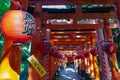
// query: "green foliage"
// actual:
[[4, 6], [1, 43], [117, 41]]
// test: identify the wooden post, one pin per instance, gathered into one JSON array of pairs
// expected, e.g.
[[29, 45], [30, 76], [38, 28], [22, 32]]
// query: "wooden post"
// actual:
[[33, 75], [46, 66], [117, 4], [11, 60], [51, 67], [103, 57], [108, 35]]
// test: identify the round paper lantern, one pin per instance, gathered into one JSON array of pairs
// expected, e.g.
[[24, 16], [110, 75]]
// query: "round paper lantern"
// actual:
[[18, 26], [86, 54], [81, 56], [94, 51], [77, 57], [55, 54], [109, 47]]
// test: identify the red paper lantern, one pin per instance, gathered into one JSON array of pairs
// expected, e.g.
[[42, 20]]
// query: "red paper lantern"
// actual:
[[94, 51], [81, 56], [109, 47], [86, 54], [77, 57], [55, 54], [18, 26]]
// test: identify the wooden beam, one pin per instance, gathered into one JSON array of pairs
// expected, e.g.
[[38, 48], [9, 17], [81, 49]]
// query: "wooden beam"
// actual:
[[70, 39], [74, 32], [68, 43], [77, 26], [80, 16], [72, 2]]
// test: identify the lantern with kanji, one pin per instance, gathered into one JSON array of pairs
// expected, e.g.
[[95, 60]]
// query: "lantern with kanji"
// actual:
[[18, 26], [109, 47], [94, 51]]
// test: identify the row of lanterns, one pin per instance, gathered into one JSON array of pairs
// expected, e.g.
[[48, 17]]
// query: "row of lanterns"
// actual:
[[86, 54]]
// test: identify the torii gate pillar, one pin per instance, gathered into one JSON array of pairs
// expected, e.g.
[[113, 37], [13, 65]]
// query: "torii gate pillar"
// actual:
[[103, 57], [108, 36]]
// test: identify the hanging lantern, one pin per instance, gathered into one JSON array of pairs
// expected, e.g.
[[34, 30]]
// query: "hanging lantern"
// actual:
[[77, 57], [94, 51], [59, 56], [86, 54], [44, 47], [81, 56], [109, 47], [18, 26], [55, 54]]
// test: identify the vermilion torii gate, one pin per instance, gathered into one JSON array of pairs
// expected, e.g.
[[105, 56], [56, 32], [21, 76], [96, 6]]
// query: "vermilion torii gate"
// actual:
[[42, 18]]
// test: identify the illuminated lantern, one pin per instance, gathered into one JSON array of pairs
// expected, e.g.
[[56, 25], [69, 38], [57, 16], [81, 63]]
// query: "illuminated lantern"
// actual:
[[77, 57], [94, 51], [18, 26], [109, 47], [55, 54], [81, 56], [86, 54], [44, 47]]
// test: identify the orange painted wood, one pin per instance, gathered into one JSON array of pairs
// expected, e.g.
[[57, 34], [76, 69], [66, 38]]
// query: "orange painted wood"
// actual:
[[11, 60], [51, 67], [72, 2], [75, 26], [32, 73], [46, 66], [35, 51], [74, 32], [80, 15], [108, 35], [117, 4], [24, 4]]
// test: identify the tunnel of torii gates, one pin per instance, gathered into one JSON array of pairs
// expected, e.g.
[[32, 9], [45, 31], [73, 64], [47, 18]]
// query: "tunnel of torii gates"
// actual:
[[78, 38]]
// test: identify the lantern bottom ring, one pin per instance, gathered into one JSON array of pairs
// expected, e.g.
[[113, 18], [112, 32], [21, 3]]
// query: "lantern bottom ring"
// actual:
[[18, 43]]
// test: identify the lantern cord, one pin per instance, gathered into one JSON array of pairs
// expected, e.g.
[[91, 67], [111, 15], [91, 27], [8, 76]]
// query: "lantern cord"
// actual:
[[17, 3]]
